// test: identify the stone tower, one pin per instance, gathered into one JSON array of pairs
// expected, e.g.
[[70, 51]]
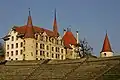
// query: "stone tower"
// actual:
[[106, 49], [29, 41]]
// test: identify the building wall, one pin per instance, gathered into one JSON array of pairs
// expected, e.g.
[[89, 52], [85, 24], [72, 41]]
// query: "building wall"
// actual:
[[106, 54], [49, 47], [13, 52], [38, 48], [29, 49]]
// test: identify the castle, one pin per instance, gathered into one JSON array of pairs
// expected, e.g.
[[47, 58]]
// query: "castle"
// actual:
[[31, 42]]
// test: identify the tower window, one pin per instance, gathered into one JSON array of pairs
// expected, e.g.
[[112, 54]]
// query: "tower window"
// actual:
[[105, 54]]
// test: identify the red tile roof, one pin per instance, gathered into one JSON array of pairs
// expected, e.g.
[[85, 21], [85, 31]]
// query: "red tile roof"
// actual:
[[29, 30], [22, 30], [106, 45], [29, 33], [68, 39]]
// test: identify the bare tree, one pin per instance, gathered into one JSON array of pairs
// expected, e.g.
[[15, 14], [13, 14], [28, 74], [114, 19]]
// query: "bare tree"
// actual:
[[86, 49]]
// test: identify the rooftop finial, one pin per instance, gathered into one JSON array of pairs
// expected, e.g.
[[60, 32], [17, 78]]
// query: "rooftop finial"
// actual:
[[29, 11], [55, 14]]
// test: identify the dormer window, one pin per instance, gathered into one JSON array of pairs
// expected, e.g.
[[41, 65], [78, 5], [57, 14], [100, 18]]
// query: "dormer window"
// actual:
[[52, 40]]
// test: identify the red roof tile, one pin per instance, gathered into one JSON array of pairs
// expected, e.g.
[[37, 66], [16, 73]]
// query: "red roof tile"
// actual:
[[29, 33], [68, 39], [29, 30], [106, 45], [36, 29]]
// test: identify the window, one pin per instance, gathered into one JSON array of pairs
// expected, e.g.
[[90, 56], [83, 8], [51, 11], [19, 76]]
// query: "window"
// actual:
[[61, 57], [43, 53], [31, 54], [12, 38], [43, 46], [21, 51], [16, 52], [16, 38], [56, 55], [40, 53], [41, 38], [40, 46], [36, 37], [52, 48], [36, 45], [21, 44], [56, 41], [7, 47], [7, 54], [16, 45], [61, 42], [36, 52], [56, 49], [11, 53], [47, 54], [36, 58], [61, 50], [105, 54], [49, 39], [16, 58], [24, 42], [24, 48], [52, 55], [47, 47], [52, 40], [12, 46], [46, 39]]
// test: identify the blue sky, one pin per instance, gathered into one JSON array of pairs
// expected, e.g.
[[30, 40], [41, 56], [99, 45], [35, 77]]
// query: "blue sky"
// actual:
[[91, 17]]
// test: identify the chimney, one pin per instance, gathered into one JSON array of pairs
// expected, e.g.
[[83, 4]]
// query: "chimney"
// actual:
[[77, 38]]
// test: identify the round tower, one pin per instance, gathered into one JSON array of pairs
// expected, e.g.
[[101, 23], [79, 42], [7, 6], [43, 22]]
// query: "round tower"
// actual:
[[106, 50]]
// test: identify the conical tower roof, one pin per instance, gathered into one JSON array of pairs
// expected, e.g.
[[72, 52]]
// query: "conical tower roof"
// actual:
[[106, 45], [29, 29], [55, 27]]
